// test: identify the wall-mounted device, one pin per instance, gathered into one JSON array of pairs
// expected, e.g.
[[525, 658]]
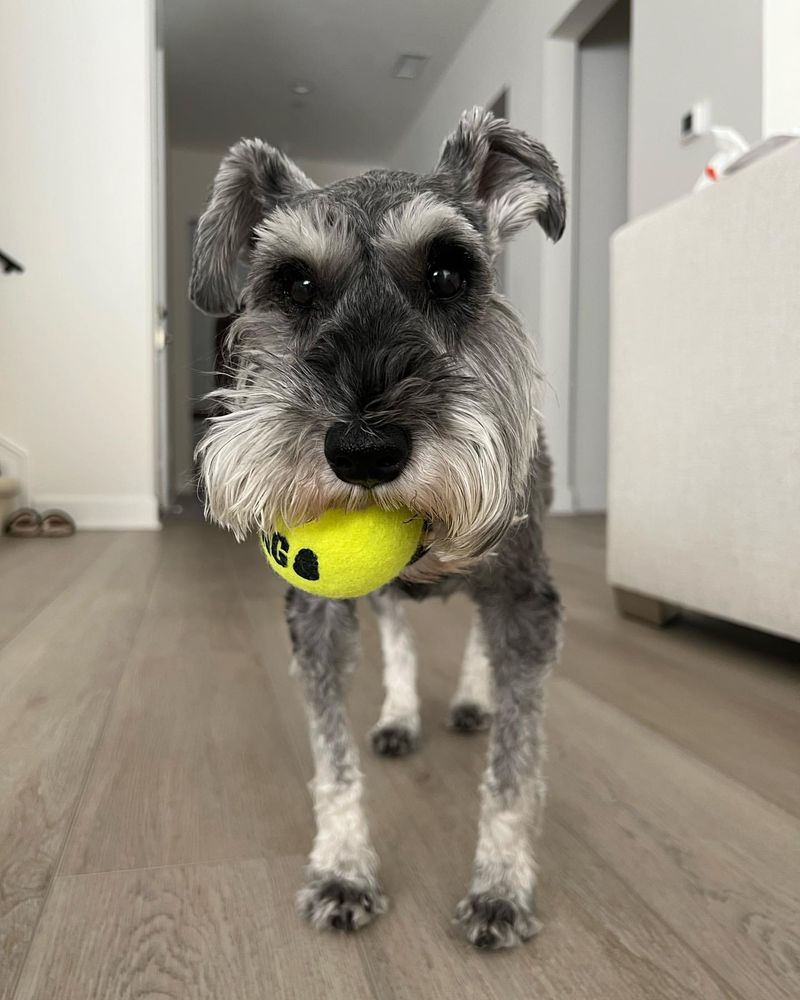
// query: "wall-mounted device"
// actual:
[[696, 121]]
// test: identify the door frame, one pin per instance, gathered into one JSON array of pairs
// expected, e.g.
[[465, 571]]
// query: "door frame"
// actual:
[[161, 338], [559, 270]]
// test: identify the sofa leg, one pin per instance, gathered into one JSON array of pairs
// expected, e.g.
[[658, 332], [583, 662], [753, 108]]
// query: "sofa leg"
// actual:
[[644, 608]]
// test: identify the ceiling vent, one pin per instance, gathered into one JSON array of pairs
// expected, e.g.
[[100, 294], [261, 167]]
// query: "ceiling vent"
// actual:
[[409, 67]]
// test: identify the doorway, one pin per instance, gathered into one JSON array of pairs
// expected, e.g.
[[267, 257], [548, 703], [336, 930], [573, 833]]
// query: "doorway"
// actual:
[[600, 204]]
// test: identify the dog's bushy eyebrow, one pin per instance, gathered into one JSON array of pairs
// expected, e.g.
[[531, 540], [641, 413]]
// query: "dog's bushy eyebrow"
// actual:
[[316, 233], [415, 224], [252, 179]]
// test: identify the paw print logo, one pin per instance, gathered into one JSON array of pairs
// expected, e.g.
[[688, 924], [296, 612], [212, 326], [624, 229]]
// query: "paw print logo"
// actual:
[[305, 563]]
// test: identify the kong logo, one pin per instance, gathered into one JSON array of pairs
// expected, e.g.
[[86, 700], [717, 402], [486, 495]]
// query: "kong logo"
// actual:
[[305, 563], [344, 554]]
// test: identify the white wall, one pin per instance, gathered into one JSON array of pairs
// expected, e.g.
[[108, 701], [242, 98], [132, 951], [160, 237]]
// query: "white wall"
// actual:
[[76, 361], [742, 56], [682, 52], [601, 205], [781, 101], [190, 174]]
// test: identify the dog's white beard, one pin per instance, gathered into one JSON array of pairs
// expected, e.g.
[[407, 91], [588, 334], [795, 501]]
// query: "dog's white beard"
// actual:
[[264, 459], [464, 487]]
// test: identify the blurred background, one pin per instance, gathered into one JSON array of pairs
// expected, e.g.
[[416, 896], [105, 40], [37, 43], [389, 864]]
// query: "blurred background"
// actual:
[[138, 103], [666, 324], [118, 123]]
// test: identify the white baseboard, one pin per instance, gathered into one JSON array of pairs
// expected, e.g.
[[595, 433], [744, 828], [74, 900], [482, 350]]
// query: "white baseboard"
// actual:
[[94, 512]]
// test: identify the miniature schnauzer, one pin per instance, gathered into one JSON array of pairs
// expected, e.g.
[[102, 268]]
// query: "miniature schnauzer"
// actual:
[[373, 359]]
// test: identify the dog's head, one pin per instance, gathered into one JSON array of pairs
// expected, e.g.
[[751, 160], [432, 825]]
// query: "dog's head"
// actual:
[[372, 358]]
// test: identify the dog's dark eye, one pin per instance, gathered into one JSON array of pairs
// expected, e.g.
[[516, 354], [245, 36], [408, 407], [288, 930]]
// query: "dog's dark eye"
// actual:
[[297, 286], [448, 268], [444, 282]]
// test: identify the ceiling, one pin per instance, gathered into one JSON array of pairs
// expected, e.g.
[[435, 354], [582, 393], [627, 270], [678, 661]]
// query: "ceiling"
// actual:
[[230, 66]]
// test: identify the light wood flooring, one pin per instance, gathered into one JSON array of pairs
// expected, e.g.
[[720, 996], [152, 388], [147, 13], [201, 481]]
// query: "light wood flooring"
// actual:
[[154, 811]]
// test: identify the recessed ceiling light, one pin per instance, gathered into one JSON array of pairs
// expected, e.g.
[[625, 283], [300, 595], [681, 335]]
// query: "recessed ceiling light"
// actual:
[[302, 89], [409, 67]]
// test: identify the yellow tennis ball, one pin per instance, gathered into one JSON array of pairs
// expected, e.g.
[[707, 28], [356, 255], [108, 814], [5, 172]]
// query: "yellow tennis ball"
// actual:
[[344, 553]]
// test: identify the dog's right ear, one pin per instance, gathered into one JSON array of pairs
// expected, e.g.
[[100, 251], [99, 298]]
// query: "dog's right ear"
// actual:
[[513, 176], [251, 180]]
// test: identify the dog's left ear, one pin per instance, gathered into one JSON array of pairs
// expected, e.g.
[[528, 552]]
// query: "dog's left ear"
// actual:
[[514, 176], [252, 179]]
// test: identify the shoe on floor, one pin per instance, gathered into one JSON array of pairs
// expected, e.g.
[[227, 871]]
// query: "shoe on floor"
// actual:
[[57, 524], [23, 523]]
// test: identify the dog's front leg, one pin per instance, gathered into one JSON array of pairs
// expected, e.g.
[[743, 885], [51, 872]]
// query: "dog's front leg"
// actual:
[[472, 705], [522, 635], [397, 730], [342, 889]]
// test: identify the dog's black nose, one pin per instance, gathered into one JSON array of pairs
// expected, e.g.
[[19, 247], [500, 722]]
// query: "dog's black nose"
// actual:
[[367, 456]]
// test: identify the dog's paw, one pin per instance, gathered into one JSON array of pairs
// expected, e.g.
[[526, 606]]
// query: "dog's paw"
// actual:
[[340, 904], [492, 921], [395, 739], [469, 717]]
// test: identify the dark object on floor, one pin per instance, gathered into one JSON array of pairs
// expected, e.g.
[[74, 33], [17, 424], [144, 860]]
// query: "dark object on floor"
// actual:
[[57, 524], [23, 523]]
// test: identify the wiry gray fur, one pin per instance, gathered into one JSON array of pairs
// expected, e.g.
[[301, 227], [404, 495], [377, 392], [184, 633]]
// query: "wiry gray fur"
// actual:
[[461, 379]]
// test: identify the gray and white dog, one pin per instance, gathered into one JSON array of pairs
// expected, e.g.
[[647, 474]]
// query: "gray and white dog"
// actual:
[[374, 360]]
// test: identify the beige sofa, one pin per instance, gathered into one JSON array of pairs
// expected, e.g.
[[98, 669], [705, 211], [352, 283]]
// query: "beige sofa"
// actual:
[[704, 479]]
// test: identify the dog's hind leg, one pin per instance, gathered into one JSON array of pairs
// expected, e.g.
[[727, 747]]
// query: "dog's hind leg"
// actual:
[[342, 889], [522, 627], [397, 731], [472, 704]]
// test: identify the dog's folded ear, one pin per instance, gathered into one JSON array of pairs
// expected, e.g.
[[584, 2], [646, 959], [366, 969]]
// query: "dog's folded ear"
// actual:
[[252, 179], [512, 175]]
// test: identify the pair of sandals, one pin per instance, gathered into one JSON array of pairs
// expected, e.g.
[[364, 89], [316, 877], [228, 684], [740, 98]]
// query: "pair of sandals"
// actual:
[[29, 523]]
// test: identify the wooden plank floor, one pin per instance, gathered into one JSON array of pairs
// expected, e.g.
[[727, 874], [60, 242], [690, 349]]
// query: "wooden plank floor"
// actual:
[[154, 814]]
